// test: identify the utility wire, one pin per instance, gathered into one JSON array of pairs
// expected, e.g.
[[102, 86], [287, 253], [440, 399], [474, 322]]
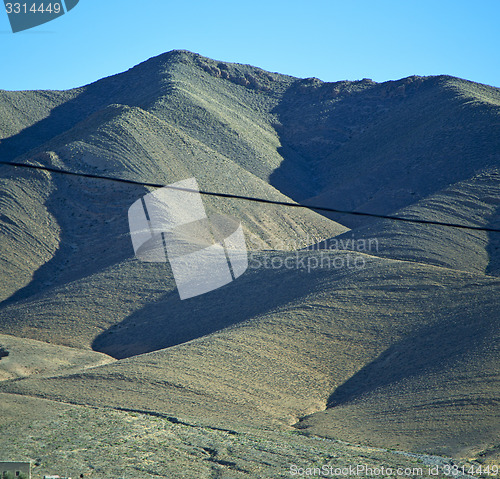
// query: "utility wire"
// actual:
[[250, 198]]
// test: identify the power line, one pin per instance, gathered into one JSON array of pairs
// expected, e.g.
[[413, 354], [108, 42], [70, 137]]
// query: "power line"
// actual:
[[250, 198]]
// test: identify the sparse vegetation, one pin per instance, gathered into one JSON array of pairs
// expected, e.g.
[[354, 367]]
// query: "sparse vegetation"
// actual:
[[399, 354]]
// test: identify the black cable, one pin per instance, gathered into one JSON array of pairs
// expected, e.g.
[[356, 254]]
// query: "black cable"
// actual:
[[250, 198]]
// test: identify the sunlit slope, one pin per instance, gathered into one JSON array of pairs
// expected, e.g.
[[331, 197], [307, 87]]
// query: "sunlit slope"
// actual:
[[30, 119], [105, 128], [395, 352], [27, 357], [474, 202], [29, 234], [230, 112], [232, 108], [391, 327], [129, 142], [65, 296]]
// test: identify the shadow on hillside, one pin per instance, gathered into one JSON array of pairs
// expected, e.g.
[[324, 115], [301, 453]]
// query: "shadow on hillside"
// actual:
[[316, 120], [450, 339], [93, 233], [493, 248], [378, 148], [137, 87], [170, 321], [62, 118]]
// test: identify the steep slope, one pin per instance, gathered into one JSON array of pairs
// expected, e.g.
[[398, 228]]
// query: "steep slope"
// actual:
[[386, 348], [381, 147], [473, 202], [89, 132], [92, 259], [366, 335]]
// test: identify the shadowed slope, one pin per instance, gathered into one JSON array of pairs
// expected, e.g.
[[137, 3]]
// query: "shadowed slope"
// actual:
[[29, 235], [352, 333], [445, 402], [381, 147], [284, 342], [473, 202]]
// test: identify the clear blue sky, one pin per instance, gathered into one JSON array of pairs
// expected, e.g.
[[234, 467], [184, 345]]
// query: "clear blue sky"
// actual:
[[329, 39]]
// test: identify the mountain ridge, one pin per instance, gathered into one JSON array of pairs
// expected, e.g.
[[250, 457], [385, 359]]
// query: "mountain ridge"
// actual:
[[404, 343]]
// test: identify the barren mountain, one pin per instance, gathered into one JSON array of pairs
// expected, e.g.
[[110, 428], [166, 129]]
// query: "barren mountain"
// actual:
[[371, 331]]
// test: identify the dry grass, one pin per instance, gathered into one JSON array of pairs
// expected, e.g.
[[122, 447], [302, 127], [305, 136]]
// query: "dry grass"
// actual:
[[401, 353]]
